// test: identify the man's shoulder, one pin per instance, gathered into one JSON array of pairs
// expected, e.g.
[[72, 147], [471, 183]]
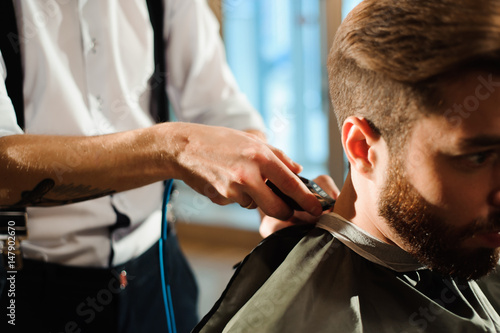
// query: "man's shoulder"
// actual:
[[257, 267], [274, 249]]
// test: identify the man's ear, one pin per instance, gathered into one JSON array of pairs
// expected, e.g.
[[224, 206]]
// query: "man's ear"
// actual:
[[358, 139]]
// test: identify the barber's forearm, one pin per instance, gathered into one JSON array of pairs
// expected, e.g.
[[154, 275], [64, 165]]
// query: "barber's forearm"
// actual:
[[223, 164], [39, 170]]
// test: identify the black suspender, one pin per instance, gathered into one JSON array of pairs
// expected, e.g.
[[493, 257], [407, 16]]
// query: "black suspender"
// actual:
[[9, 45], [159, 110]]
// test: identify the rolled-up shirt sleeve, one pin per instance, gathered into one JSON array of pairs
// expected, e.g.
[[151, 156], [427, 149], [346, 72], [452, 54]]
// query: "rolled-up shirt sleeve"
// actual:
[[201, 87], [8, 122]]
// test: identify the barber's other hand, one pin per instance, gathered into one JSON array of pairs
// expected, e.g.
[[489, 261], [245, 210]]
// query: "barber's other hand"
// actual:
[[270, 224], [229, 166]]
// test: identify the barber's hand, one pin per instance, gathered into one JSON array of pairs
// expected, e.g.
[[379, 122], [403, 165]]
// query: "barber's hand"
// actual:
[[229, 166], [270, 224]]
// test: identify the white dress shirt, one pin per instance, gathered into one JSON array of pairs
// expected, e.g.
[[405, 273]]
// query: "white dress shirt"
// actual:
[[86, 68]]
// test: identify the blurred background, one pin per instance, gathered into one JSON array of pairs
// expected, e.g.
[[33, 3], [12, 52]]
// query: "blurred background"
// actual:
[[277, 51]]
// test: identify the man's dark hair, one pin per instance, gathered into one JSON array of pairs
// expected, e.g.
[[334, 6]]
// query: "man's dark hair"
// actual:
[[390, 58]]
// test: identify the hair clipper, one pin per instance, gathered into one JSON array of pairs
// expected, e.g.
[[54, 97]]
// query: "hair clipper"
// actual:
[[326, 201]]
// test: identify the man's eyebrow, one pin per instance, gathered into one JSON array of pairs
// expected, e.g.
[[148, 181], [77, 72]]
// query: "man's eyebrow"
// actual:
[[481, 141]]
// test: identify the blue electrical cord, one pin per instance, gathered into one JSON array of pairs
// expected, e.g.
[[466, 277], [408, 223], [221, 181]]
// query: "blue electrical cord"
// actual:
[[165, 285]]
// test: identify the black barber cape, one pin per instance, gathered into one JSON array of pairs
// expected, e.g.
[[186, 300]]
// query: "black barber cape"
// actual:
[[337, 278]]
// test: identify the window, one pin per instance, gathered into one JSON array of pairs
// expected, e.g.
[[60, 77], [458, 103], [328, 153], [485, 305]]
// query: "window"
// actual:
[[274, 51], [277, 52]]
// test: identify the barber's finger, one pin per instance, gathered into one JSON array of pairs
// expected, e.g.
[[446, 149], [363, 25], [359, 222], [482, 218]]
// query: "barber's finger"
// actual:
[[247, 202], [328, 185], [292, 186], [270, 225], [291, 164], [209, 191], [269, 203], [279, 169]]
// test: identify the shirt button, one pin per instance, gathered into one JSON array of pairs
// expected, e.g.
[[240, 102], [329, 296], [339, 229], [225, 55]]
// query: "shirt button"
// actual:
[[94, 45], [100, 102]]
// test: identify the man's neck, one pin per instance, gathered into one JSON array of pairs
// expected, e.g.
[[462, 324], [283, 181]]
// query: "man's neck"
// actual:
[[362, 212]]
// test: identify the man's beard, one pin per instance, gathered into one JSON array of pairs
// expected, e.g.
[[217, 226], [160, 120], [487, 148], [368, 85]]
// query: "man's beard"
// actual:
[[429, 239]]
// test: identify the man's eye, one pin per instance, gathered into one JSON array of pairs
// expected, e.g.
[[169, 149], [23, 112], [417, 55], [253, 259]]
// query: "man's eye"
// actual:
[[477, 159]]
